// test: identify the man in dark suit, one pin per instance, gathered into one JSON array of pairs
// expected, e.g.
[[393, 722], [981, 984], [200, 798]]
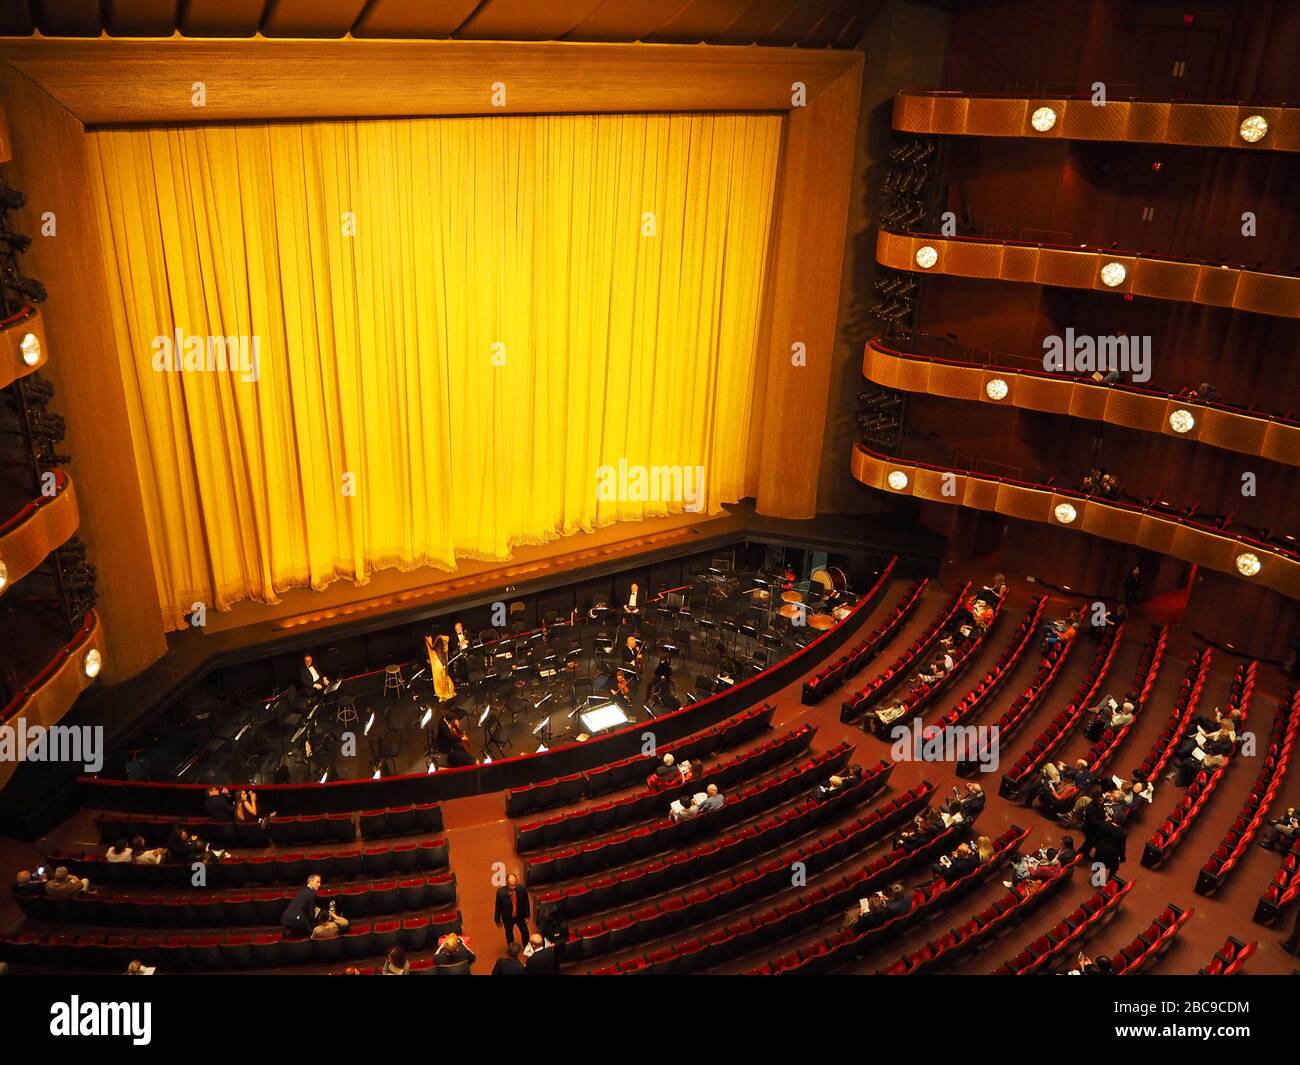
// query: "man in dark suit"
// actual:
[[510, 965], [1111, 846], [900, 902], [218, 805], [300, 915], [309, 677], [512, 910], [543, 960]]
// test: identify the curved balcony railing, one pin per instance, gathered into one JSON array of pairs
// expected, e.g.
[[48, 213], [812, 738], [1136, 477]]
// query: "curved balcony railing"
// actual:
[[938, 366], [1200, 124], [1080, 266], [1177, 533], [41, 525]]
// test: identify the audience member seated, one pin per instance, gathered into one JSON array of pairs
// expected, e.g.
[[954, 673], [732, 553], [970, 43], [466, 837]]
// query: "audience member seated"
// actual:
[[666, 775], [1085, 966], [510, 965], [63, 885], [28, 885], [118, 852], [963, 861], [1045, 785], [219, 806], [452, 951], [1102, 716], [396, 964], [1281, 832], [968, 802], [246, 810], [925, 826], [836, 783], [542, 959], [143, 855]]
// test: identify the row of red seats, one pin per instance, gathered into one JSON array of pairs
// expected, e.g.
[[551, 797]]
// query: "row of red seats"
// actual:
[[1188, 809], [600, 818], [601, 780], [1153, 941], [808, 909], [1095, 911], [921, 693], [862, 700], [1061, 726], [991, 683], [307, 829], [833, 950], [1229, 958], [345, 863], [734, 892], [1144, 681], [1184, 709], [213, 909], [959, 942], [666, 834], [212, 951], [1108, 743], [848, 665], [1272, 774], [1282, 889], [725, 852]]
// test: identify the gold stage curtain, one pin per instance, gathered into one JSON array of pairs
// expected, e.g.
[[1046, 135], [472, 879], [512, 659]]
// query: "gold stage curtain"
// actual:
[[461, 321]]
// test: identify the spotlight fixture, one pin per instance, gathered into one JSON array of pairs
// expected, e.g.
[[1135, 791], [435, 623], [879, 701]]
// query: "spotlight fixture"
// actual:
[[897, 480], [926, 257], [996, 389], [1065, 513], [91, 663], [31, 349], [1113, 274], [1182, 421], [1253, 128], [1247, 564], [1043, 119]]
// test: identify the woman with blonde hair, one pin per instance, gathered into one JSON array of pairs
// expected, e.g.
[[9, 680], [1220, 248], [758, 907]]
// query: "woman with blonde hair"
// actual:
[[984, 846]]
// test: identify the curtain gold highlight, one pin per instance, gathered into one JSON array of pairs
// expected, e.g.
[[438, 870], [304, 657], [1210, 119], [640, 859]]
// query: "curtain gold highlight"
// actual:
[[457, 324]]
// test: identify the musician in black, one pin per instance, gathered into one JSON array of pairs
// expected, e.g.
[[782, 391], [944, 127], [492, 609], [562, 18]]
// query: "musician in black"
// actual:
[[632, 654], [461, 642], [310, 678]]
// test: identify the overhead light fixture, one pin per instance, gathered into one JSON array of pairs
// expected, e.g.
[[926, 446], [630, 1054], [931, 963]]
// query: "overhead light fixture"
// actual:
[[92, 663], [926, 257], [996, 389], [1247, 564], [1065, 513], [1182, 421], [1113, 274], [897, 480], [1043, 119], [1253, 128], [30, 346]]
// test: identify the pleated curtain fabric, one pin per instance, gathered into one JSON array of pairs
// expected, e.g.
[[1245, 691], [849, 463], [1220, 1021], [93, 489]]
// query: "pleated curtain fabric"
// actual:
[[458, 323]]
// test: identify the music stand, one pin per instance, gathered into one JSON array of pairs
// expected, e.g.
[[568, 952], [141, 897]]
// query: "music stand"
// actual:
[[543, 732], [493, 737]]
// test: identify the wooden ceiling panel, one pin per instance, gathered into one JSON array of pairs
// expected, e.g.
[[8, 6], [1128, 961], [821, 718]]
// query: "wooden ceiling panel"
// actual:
[[141, 18], [626, 20], [828, 30], [414, 18], [312, 18], [222, 18], [699, 21], [753, 27], [800, 21], [525, 20], [68, 18]]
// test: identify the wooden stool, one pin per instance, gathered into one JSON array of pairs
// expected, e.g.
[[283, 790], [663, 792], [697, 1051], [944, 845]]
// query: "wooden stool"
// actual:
[[393, 680]]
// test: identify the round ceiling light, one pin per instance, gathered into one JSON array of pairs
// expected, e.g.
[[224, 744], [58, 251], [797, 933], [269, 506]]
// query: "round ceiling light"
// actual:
[[1253, 128], [1043, 119], [1247, 564], [996, 388], [897, 480], [1113, 274], [926, 257], [1182, 421], [1065, 513], [92, 663], [31, 349]]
